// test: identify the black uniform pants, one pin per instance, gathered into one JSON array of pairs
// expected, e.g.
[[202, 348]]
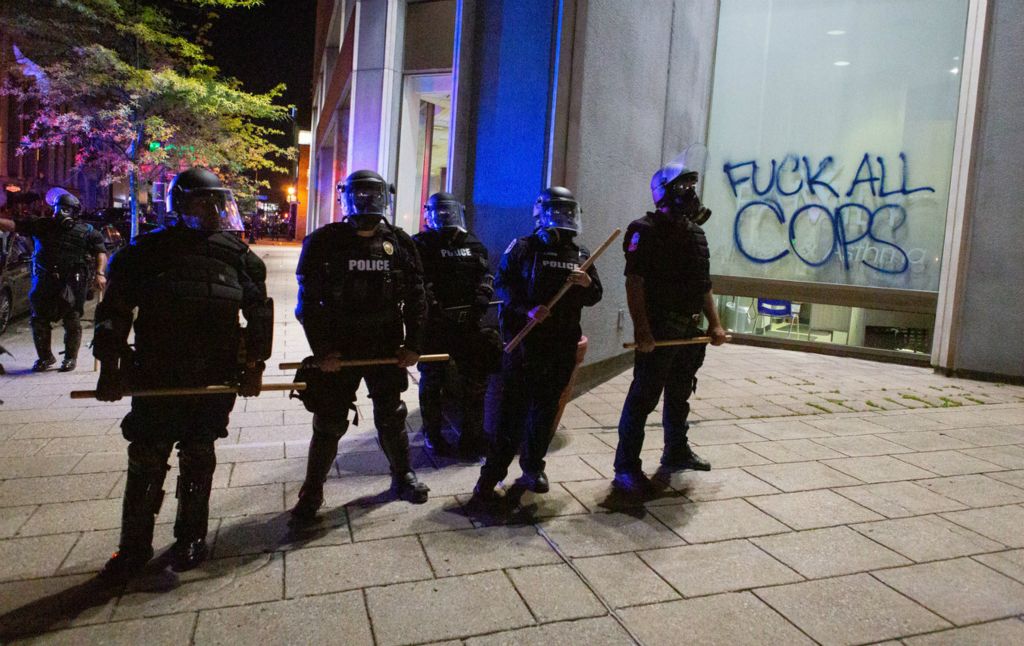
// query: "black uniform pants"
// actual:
[[48, 302], [331, 395], [459, 341], [153, 427], [672, 370], [533, 378], [42, 330]]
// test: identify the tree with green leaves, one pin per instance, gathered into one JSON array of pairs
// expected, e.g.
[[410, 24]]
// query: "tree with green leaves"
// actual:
[[129, 84]]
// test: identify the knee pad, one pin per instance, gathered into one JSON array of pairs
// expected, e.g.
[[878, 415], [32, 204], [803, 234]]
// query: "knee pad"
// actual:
[[197, 457], [330, 428], [149, 458], [389, 416]]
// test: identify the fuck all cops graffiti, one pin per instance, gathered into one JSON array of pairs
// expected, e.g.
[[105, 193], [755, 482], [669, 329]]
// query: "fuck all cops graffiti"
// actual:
[[818, 218]]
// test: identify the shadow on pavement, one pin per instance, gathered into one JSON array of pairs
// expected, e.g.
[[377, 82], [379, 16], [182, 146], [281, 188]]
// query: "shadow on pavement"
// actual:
[[57, 610]]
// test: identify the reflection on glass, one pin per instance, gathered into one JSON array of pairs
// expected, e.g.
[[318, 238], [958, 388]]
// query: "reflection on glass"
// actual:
[[423, 145], [836, 324]]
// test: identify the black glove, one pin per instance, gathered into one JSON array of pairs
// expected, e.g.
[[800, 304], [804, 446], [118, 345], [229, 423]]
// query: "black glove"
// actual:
[[250, 382], [111, 386]]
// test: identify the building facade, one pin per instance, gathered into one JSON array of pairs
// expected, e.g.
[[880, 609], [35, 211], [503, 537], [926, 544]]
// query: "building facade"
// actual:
[[861, 153], [25, 177]]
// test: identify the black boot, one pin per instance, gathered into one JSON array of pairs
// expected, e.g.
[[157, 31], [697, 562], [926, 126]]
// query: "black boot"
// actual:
[[41, 332], [72, 342], [197, 462], [323, 448], [143, 495], [434, 440], [407, 487], [389, 418], [432, 408], [484, 492], [42, 365], [684, 458], [535, 481]]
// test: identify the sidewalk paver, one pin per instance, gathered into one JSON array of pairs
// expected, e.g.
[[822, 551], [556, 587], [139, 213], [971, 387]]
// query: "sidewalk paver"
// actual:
[[903, 512]]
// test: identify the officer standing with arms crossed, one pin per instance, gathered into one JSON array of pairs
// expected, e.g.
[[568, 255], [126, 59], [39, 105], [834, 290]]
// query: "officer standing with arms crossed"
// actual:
[[189, 283], [459, 289], [64, 250], [668, 286], [535, 373], [360, 284]]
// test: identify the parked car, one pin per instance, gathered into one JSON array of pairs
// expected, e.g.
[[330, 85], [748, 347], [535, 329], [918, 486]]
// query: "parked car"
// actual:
[[15, 276]]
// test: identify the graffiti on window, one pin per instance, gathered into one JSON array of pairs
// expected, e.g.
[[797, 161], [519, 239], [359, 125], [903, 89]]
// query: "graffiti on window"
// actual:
[[822, 218]]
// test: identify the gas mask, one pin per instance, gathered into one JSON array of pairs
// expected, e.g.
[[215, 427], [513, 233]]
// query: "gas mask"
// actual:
[[682, 201], [557, 215]]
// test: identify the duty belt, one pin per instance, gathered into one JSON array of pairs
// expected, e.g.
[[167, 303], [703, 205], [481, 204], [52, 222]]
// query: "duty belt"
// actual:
[[685, 319]]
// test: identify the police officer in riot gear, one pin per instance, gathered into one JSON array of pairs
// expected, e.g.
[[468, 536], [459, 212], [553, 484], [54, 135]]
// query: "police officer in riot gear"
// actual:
[[64, 251], [535, 373], [360, 297], [459, 288], [189, 283], [668, 287]]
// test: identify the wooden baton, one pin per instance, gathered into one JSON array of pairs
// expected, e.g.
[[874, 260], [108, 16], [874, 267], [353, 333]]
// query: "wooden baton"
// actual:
[[697, 340], [353, 363], [220, 389], [532, 323]]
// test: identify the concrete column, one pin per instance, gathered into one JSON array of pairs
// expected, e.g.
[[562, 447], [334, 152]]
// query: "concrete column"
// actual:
[[508, 117], [376, 86], [981, 311]]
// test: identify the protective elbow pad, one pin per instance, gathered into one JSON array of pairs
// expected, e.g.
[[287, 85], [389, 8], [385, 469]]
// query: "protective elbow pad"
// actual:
[[259, 331]]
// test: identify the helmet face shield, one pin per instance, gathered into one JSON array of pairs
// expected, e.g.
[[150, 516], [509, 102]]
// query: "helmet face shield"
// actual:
[[364, 198], [562, 214], [444, 214], [209, 209]]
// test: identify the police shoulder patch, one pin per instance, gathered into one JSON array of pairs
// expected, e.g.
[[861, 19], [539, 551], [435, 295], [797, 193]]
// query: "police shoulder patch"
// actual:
[[634, 242]]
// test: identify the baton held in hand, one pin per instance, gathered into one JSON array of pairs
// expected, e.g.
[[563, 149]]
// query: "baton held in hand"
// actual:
[[530, 324]]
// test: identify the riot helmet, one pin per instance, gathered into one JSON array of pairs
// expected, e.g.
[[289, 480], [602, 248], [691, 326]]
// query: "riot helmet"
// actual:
[[674, 186], [199, 200], [66, 206], [557, 215], [365, 199], [444, 211]]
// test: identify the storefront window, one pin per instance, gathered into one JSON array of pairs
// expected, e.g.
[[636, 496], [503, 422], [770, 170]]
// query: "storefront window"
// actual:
[[831, 139], [905, 332], [830, 149]]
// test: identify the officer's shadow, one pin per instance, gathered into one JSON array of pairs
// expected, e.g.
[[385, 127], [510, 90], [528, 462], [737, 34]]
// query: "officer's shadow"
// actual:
[[635, 503], [56, 610], [237, 546]]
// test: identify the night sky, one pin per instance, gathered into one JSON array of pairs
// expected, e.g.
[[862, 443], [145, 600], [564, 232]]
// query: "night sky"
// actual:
[[269, 45]]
